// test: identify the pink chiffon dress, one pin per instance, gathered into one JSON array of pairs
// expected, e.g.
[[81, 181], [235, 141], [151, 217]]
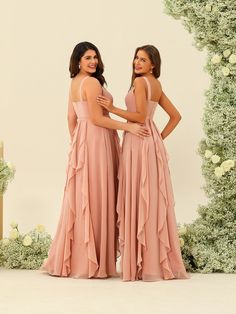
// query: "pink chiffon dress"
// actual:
[[85, 242], [148, 237]]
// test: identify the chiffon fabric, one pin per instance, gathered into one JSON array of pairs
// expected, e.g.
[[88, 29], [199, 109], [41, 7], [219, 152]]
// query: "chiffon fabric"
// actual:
[[85, 242], [148, 237]]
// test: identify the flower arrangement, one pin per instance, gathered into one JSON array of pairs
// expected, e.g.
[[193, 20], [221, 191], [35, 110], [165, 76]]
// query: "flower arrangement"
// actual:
[[26, 251], [209, 243], [7, 171]]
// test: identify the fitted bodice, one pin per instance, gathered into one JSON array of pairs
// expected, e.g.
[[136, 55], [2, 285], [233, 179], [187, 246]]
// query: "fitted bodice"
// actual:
[[131, 104], [81, 107]]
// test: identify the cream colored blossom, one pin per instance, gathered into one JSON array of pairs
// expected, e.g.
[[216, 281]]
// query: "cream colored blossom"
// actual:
[[232, 58], [219, 172], [215, 159], [208, 7], [216, 59], [181, 242], [40, 228], [182, 231], [208, 153], [14, 234], [225, 71], [27, 240], [10, 166], [227, 53], [14, 224], [227, 165]]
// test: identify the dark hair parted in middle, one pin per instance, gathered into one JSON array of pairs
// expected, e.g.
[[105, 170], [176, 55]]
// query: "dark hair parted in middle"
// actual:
[[78, 53], [155, 58]]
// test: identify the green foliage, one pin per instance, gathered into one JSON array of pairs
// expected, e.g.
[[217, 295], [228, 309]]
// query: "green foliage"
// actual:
[[25, 251], [7, 171], [209, 243]]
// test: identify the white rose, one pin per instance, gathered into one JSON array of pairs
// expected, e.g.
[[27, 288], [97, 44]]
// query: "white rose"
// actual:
[[227, 165], [181, 242], [208, 153], [27, 240], [216, 59], [227, 53], [215, 159], [10, 166], [232, 58], [208, 7], [14, 224], [182, 231], [225, 71], [40, 228], [14, 234], [219, 172]]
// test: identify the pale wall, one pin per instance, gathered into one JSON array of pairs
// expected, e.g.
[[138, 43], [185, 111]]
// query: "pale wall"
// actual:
[[37, 40]]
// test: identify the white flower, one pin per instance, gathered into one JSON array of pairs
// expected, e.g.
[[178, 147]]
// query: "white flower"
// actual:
[[208, 7], [182, 231], [27, 240], [232, 58], [227, 165], [14, 234], [14, 224], [227, 53], [219, 172], [10, 165], [40, 228], [216, 59], [225, 71], [208, 153], [215, 159], [181, 242]]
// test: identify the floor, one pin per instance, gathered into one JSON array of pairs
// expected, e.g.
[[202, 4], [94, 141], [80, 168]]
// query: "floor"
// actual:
[[34, 292]]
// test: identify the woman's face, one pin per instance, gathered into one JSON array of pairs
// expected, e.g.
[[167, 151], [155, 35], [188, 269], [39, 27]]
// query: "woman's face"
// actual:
[[142, 63], [88, 62]]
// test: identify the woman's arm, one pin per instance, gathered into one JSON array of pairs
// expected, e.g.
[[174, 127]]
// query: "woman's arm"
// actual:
[[172, 112], [92, 90], [71, 116], [140, 100]]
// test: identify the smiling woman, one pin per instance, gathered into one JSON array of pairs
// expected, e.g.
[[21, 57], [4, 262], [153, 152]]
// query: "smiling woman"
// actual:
[[85, 241]]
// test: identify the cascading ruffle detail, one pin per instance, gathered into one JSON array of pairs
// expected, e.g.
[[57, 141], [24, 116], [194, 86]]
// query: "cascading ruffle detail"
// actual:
[[77, 166]]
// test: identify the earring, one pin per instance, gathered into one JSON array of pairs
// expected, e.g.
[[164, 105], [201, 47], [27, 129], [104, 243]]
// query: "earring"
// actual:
[[79, 66], [151, 71]]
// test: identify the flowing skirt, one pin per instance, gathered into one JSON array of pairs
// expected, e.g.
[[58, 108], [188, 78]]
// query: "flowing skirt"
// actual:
[[148, 237]]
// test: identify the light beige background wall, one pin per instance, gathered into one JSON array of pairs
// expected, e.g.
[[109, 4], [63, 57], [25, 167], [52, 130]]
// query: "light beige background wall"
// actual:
[[37, 38]]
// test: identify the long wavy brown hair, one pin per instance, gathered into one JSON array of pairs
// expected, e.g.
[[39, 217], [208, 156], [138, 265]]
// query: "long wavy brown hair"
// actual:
[[78, 53], [155, 58]]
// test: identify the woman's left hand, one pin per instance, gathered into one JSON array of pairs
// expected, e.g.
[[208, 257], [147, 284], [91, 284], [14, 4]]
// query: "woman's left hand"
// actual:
[[105, 103]]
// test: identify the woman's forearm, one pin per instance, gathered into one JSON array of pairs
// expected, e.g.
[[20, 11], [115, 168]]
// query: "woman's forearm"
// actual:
[[71, 125], [170, 126], [109, 123], [128, 115]]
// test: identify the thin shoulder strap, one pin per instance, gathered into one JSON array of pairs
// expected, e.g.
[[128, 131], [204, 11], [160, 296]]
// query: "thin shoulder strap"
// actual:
[[80, 88], [148, 87]]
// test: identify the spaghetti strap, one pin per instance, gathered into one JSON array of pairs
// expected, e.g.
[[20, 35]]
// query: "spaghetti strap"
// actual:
[[80, 88], [149, 87]]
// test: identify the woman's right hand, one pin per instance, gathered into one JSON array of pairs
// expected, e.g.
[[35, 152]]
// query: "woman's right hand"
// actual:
[[138, 130]]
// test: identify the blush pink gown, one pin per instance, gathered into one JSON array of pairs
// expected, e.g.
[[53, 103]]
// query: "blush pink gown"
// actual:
[[85, 242], [148, 237]]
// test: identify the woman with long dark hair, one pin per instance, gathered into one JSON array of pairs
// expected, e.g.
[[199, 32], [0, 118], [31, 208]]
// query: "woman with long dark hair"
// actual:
[[149, 241], [85, 242]]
